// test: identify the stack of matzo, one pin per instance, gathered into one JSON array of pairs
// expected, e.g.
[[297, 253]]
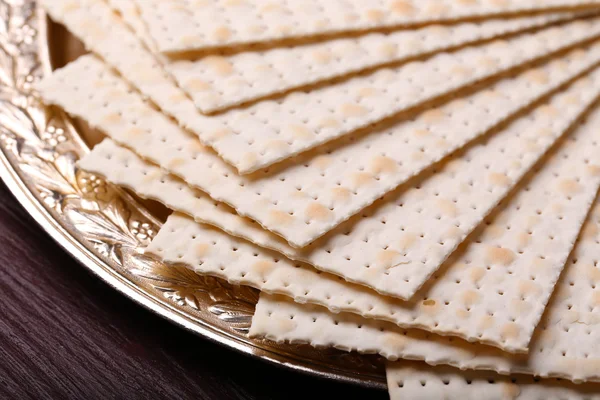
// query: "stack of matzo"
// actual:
[[414, 178]]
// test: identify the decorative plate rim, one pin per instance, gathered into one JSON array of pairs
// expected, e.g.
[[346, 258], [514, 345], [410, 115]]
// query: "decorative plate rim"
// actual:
[[104, 228]]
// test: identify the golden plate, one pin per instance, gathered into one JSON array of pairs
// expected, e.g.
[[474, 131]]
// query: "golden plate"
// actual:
[[106, 228]]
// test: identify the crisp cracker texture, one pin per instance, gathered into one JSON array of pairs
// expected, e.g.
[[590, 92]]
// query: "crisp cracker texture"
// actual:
[[216, 82], [268, 132], [493, 290], [123, 167], [418, 381], [180, 25], [305, 198], [565, 343], [514, 259], [382, 247], [129, 11]]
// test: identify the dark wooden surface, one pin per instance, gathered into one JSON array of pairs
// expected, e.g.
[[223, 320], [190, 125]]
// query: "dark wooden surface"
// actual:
[[64, 334]]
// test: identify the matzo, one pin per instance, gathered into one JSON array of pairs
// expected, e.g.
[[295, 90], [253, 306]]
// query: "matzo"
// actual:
[[180, 25], [418, 381], [271, 131], [306, 197], [565, 343], [129, 12], [218, 82], [384, 247], [493, 290]]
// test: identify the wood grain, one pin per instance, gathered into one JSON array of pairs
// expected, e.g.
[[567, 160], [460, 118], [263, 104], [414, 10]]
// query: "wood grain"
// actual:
[[64, 334]]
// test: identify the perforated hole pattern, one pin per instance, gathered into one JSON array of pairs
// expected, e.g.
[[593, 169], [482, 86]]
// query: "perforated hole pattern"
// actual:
[[495, 289], [397, 243], [308, 196], [417, 381], [215, 82], [493, 292], [267, 132], [191, 24]]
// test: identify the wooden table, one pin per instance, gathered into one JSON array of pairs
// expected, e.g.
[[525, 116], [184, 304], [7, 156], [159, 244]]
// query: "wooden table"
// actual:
[[64, 334]]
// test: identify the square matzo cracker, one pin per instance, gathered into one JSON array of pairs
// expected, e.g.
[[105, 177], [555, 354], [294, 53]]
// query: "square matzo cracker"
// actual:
[[565, 343], [268, 132], [418, 381], [384, 246], [305, 198], [180, 25], [493, 290], [216, 82]]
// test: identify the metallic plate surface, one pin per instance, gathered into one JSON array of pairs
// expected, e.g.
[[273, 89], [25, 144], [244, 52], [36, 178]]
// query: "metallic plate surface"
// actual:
[[106, 228]]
